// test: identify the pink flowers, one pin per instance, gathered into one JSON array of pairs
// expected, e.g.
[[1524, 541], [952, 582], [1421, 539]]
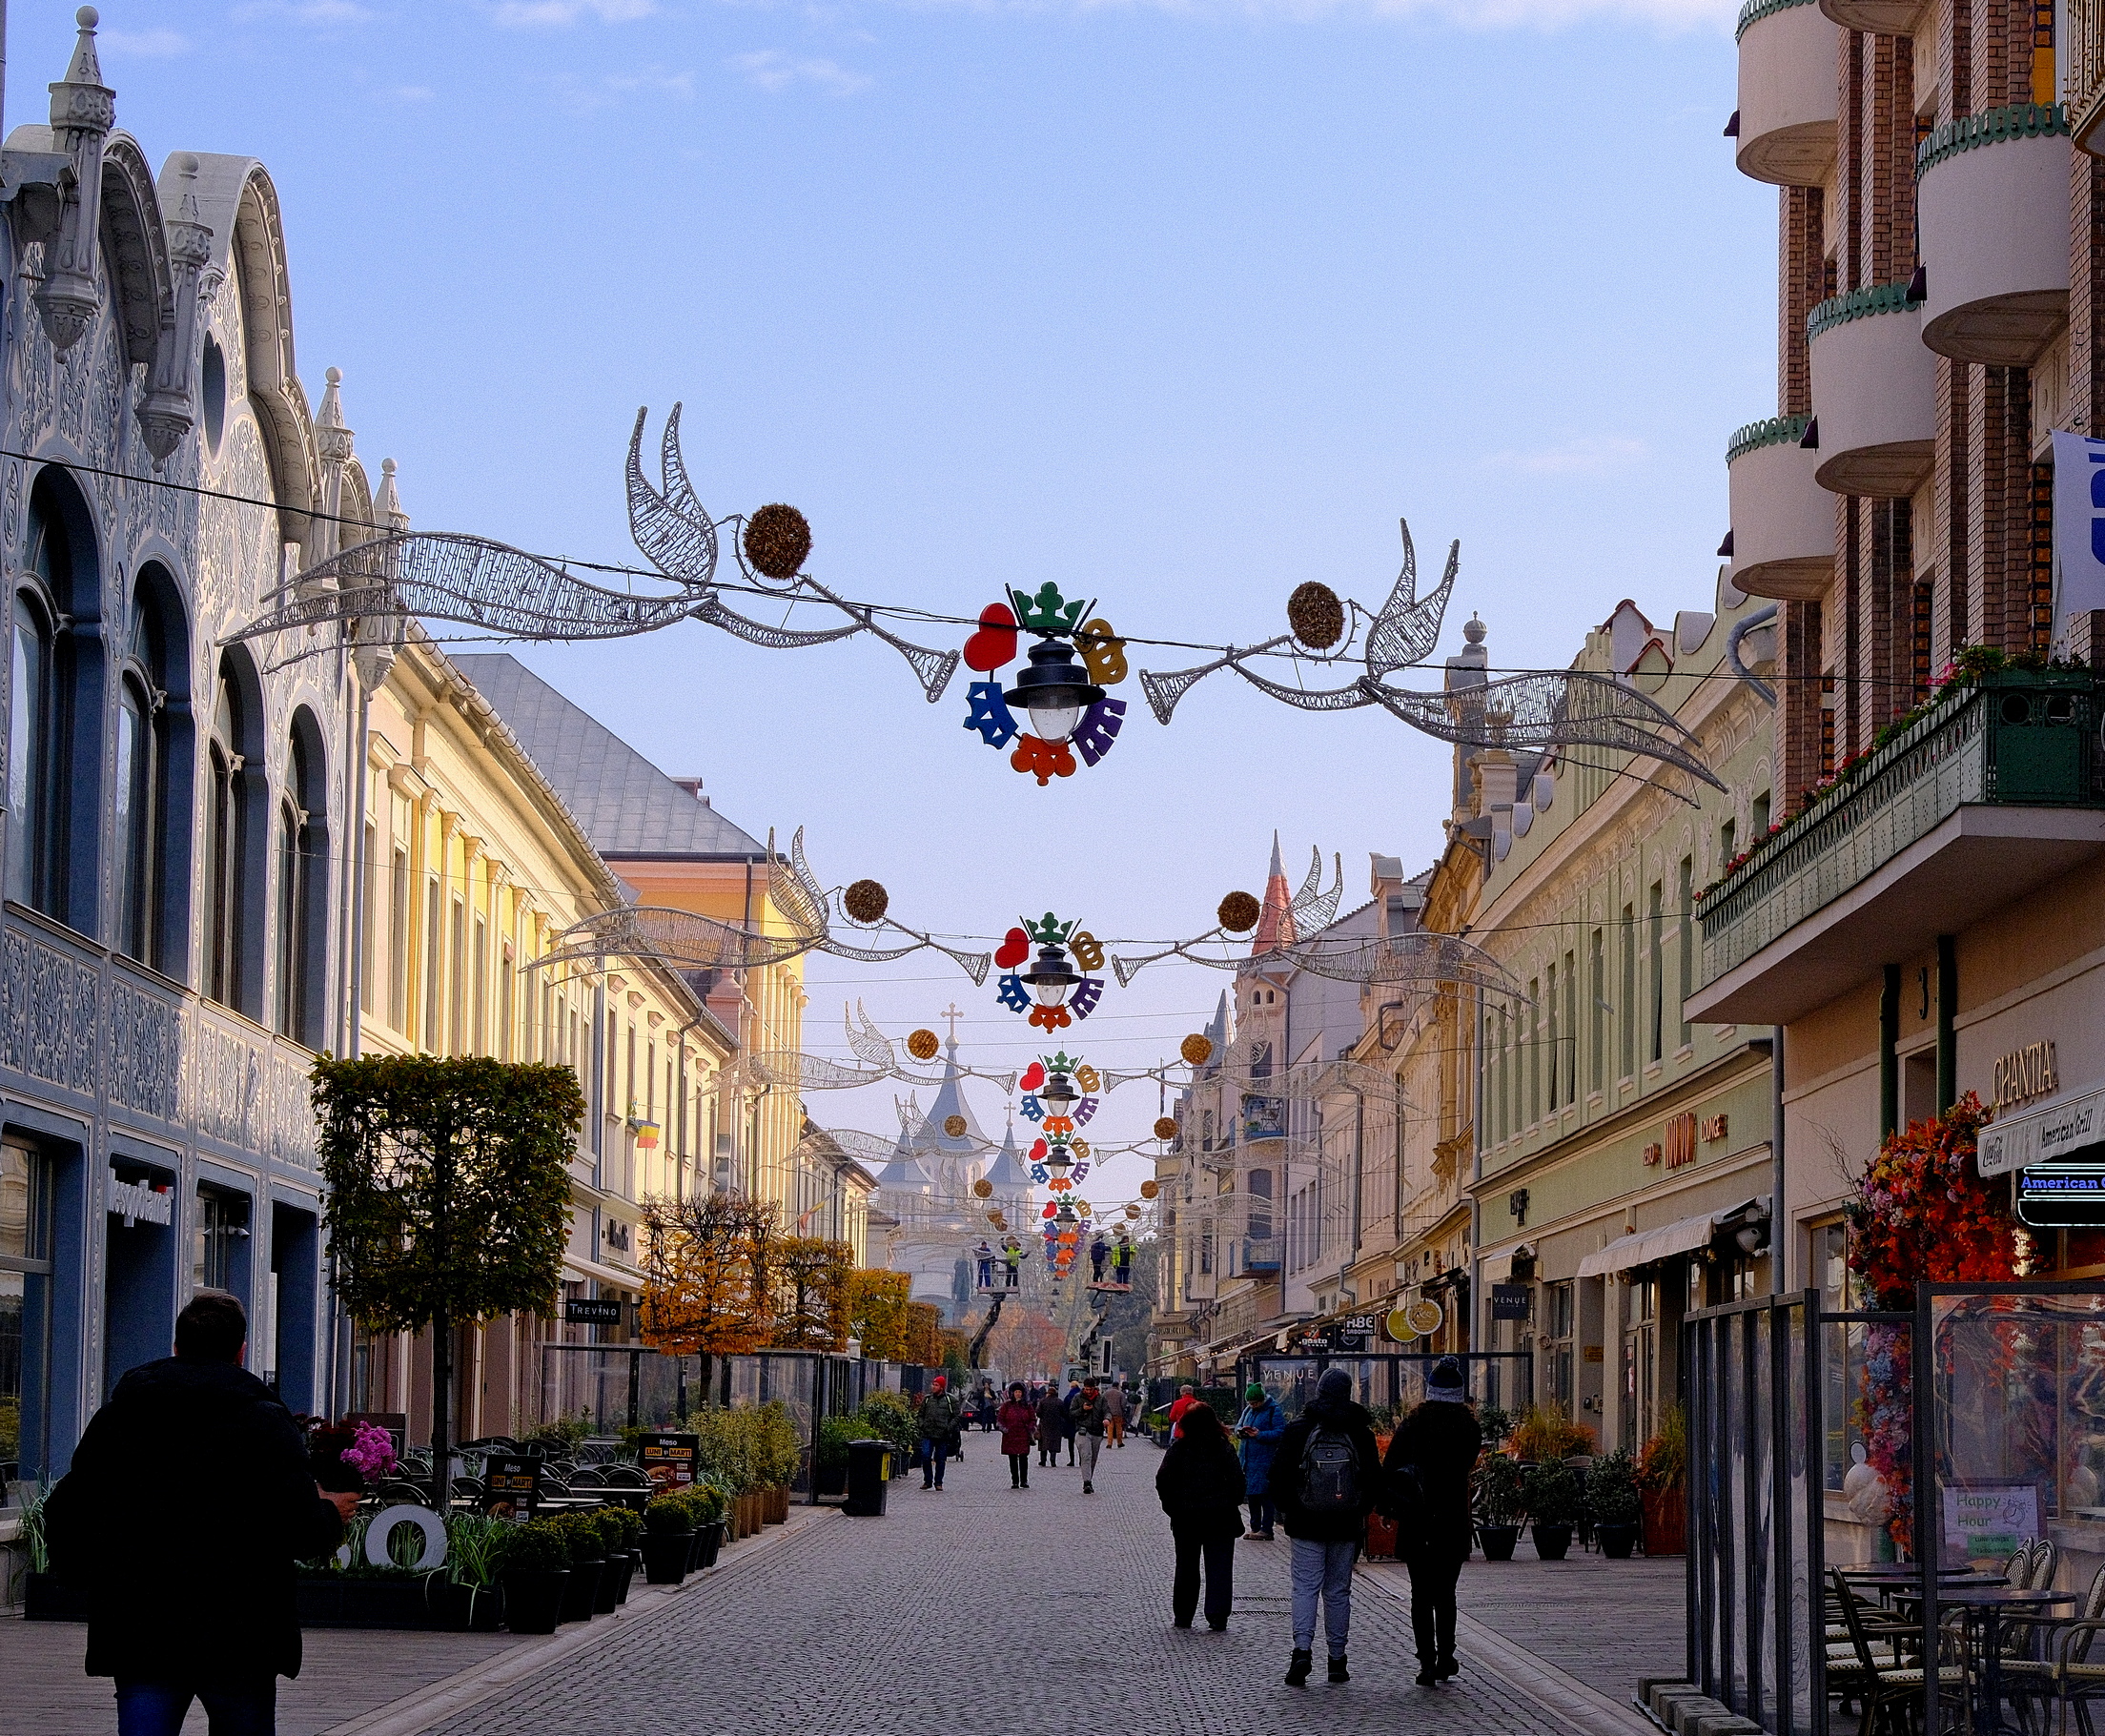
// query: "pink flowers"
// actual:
[[372, 1453]]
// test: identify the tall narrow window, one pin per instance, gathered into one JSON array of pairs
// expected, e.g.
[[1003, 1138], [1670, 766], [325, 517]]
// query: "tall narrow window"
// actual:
[[1597, 989], [398, 942], [141, 784], [1571, 1029], [1759, 830], [1655, 947], [1729, 839], [480, 1044], [31, 750], [457, 1000], [369, 923], [1625, 1005], [1553, 1054], [226, 849], [506, 992], [1685, 941], [434, 966], [1534, 1049], [292, 917]]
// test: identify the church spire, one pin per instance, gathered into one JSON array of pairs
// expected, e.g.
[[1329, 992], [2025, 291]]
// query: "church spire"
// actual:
[[1275, 923]]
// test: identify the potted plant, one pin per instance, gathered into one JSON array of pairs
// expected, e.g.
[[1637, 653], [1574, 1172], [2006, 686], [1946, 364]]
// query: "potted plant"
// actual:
[[533, 1563], [1546, 1436], [1612, 1503], [1662, 1481], [1500, 1506], [1555, 1495], [1495, 1425], [44, 1598], [668, 1539], [580, 1532], [466, 1596], [709, 1507], [618, 1530], [830, 1458]]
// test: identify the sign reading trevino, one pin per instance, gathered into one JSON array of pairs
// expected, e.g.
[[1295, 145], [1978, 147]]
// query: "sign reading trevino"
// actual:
[[669, 1460], [510, 1485], [593, 1310]]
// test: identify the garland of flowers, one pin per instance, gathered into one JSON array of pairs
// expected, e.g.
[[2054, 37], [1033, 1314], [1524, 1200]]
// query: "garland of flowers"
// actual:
[[1922, 1213]]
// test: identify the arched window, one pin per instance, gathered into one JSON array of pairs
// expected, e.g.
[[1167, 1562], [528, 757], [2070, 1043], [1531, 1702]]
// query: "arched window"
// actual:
[[141, 783], [226, 847], [302, 846], [36, 760]]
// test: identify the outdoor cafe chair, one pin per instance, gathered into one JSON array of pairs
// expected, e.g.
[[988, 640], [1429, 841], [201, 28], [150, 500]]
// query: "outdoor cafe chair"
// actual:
[[2066, 1674], [590, 1480], [2046, 1559], [400, 1490], [1888, 1690], [626, 1477]]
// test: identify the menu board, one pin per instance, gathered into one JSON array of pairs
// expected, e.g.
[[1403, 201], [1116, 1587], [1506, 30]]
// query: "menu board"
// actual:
[[668, 1459], [510, 1486]]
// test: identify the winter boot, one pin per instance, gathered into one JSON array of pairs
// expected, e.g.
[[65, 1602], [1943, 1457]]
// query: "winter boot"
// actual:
[[1429, 1676], [1297, 1672], [1338, 1670]]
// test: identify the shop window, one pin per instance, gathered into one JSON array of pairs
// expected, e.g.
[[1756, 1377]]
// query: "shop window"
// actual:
[[219, 1254], [25, 1310], [1640, 1362], [1557, 1323]]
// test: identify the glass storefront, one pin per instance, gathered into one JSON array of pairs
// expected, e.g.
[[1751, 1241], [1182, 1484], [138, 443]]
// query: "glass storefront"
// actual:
[[25, 1311]]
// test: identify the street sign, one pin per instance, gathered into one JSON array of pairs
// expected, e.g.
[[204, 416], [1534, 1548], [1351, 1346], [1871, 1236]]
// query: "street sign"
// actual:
[[2062, 1197], [1510, 1301], [593, 1310], [1354, 1335]]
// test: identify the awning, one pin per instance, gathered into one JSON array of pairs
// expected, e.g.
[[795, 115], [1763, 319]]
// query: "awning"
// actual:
[[1685, 1235]]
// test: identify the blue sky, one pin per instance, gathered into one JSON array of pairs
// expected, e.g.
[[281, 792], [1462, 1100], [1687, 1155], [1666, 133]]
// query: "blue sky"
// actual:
[[1176, 305]]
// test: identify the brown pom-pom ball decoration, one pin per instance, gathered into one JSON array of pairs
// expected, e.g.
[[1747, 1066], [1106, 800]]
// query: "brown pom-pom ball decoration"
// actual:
[[922, 1044], [1165, 1127], [1150, 1189], [954, 1125], [1315, 615], [1197, 1049], [983, 1189], [867, 902], [778, 541], [1238, 912], [995, 1218]]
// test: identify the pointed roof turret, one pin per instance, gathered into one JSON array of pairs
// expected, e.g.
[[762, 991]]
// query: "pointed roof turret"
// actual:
[[1009, 1174], [1275, 923], [951, 1100]]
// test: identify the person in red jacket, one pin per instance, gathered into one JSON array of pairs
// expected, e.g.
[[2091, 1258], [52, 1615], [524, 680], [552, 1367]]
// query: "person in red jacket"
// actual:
[[1018, 1421]]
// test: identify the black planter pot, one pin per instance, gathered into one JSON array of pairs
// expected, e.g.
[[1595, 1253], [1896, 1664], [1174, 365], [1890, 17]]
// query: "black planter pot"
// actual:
[[533, 1601], [832, 1478], [635, 1559], [1498, 1540], [711, 1539], [341, 1599], [665, 1556], [45, 1599], [460, 1609], [1616, 1540], [614, 1574], [1551, 1541], [583, 1591]]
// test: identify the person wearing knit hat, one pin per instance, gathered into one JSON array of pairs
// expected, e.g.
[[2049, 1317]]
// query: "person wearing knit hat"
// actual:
[[1323, 1480], [1257, 1431], [1425, 1490]]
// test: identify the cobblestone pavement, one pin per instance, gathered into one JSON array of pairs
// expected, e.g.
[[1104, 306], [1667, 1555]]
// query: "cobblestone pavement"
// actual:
[[982, 1610]]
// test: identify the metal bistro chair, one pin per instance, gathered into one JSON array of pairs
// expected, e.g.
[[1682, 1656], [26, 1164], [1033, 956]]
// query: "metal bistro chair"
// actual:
[[1888, 1690], [2071, 1671], [397, 1490]]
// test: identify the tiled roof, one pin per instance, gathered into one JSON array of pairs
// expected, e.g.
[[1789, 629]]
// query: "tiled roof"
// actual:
[[627, 805]]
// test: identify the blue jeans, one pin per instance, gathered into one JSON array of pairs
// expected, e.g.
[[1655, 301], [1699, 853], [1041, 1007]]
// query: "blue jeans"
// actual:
[[931, 1469], [159, 1708], [1322, 1570]]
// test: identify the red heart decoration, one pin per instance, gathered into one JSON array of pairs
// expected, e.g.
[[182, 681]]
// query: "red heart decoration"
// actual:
[[1050, 1210], [1038, 1151], [1016, 948], [1034, 1076], [995, 642]]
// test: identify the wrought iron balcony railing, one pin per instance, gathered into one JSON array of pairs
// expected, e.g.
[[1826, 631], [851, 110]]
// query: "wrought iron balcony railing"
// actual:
[[2024, 739]]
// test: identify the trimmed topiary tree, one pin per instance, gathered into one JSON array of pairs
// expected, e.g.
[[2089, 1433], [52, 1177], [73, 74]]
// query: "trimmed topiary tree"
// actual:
[[448, 1197]]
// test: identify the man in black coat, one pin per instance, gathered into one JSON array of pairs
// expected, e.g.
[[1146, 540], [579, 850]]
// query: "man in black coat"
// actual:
[[1324, 1479], [1426, 1487], [190, 1499]]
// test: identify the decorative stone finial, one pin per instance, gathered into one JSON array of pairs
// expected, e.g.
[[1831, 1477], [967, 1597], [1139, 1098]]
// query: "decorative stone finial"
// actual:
[[1474, 630], [85, 68], [83, 110]]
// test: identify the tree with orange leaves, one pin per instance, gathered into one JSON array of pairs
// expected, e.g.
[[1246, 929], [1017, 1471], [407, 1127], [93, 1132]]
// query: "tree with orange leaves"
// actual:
[[707, 1287]]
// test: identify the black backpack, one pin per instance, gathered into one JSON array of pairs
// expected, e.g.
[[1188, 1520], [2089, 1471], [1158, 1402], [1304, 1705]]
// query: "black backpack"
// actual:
[[1330, 1472]]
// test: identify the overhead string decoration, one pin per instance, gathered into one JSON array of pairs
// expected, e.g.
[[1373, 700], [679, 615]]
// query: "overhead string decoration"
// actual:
[[1062, 699], [796, 1069]]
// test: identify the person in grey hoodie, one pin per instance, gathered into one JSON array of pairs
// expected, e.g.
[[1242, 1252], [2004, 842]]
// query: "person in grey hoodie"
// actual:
[[940, 1413]]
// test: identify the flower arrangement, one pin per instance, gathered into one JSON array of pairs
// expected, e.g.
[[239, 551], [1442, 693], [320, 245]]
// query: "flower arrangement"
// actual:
[[1546, 1435], [371, 1453], [1663, 1461]]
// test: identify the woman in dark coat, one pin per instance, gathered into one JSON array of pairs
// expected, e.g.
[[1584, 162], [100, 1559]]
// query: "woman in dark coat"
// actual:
[[1200, 1487], [1018, 1420], [1051, 1425], [1437, 1444]]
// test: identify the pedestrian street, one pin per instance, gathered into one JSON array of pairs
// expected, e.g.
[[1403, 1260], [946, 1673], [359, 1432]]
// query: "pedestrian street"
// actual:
[[980, 1608]]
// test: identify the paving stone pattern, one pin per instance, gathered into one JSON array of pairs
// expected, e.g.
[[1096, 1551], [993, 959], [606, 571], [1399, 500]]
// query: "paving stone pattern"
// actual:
[[983, 1609]]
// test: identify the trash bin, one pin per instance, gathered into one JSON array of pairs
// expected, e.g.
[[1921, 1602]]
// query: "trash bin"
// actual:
[[869, 1478]]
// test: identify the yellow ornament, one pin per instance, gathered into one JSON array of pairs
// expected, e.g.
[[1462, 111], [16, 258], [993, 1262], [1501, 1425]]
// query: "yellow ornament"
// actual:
[[1087, 950], [1080, 1149], [1132, 1210], [983, 1189], [1149, 1189], [1197, 1049], [1088, 1077], [922, 1043], [1103, 652], [1165, 1127], [1082, 1208], [954, 1125]]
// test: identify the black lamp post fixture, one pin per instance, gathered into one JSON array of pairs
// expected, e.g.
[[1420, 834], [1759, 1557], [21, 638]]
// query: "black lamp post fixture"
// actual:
[[1052, 979], [1053, 690]]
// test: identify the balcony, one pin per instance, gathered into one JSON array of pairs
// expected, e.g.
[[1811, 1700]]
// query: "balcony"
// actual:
[[1874, 393], [1995, 792], [1262, 1253], [1878, 17], [1992, 199], [2086, 73], [1788, 88], [1783, 521]]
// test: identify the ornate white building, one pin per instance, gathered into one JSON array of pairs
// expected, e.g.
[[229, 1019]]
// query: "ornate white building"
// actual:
[[178, 821]]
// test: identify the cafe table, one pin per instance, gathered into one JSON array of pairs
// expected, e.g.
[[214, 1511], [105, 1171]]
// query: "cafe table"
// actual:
[[1983, 1607]]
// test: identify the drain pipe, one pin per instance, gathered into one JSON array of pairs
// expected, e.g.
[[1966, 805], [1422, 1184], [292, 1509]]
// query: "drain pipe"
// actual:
[[1745, 624]]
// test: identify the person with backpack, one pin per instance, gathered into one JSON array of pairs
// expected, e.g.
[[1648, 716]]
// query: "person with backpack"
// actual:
[[1323, 1481], [940, 1413], [1199, 1485], [1425, 1490]]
